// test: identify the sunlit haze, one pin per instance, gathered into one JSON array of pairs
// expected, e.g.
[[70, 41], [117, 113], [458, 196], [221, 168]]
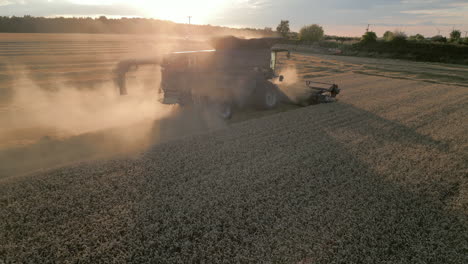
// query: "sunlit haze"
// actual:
[[178, 11], [338, 17]]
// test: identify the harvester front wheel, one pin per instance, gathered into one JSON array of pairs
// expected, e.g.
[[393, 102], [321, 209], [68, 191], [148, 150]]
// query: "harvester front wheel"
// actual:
[[267, 96]]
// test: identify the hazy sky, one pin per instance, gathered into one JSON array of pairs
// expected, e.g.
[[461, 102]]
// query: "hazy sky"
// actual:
[[338, 17]]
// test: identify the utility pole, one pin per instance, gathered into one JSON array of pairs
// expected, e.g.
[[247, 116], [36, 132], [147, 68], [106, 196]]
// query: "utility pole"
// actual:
[[187, 29], [368, 26]]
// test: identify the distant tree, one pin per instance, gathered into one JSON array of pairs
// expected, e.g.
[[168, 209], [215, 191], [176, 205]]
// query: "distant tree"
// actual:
[[417, 37], [268, 29], [283, 28], [338, 38], [103, 18], [293, 35], [388, 35], [439, 38], [399, 37], [369, 37], [455, 35], [311, 33]]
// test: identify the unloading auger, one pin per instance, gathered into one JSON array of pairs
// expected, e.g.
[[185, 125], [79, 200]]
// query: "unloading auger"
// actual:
[[125, 66]]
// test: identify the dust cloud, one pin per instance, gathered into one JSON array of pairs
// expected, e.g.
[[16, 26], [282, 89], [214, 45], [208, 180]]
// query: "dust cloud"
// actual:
[[67, 111], [49, 120], [290, 75], [291, 85], [44, 128]]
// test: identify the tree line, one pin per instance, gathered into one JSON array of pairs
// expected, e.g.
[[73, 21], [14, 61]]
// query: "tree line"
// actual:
[[400, 37], [314, 33], [393, 44], [104, 25]]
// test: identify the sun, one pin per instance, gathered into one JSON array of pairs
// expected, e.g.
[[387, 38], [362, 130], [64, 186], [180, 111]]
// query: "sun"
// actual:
[[200, 11]]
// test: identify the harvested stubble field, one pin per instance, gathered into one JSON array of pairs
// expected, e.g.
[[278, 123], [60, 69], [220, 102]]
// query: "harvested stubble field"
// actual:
[[379, 177]]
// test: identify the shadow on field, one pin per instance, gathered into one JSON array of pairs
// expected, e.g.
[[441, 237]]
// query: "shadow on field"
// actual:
[[290, 188], [372, 124], [308, 200], [50, 152]]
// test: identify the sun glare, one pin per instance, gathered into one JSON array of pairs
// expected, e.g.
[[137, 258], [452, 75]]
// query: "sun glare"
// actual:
[[179, 10]]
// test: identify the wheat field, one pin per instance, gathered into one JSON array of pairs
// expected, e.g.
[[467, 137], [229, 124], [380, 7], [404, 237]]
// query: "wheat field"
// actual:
[[378, 177]]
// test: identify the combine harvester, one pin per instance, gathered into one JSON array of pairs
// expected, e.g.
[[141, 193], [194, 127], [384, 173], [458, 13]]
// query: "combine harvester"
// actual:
[[237, 73]]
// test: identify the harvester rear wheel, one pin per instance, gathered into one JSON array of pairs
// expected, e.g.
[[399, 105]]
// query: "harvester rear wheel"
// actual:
[[225, 110]]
